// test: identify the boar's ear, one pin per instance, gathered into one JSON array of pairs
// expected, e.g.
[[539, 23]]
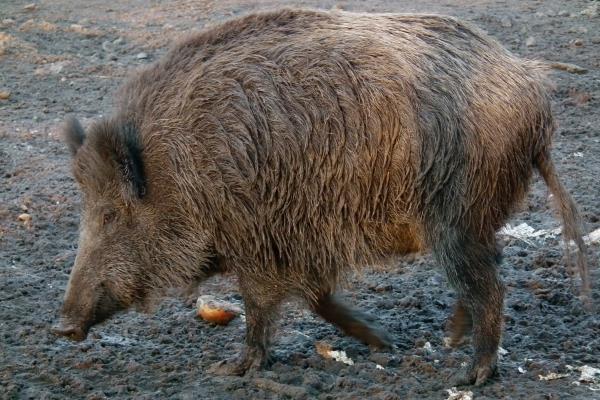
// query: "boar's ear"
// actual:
[[73, 134], [128, 154]]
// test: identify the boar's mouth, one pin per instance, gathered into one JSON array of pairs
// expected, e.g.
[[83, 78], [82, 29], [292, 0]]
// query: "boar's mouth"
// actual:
[[75, 326]]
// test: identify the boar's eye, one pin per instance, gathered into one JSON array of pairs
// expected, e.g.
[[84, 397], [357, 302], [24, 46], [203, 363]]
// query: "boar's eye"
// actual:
[[108, 217]]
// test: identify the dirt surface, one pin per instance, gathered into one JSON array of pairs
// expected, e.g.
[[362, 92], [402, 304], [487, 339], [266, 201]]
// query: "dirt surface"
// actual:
[[59, 57]]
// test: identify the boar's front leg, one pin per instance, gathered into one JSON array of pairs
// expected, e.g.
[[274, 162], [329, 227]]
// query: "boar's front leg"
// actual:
[[351, 321], [470, 262], [261, 305]]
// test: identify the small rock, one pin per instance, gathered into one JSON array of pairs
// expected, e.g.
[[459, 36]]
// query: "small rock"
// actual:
[[25, 219], [552, 376], [52, 68], [530, 42], [324, 349], [107, 46], [455, 394], [591, 11], [563, 13], [8, 22], [4, 95], [428, 347], [506, 22], [118, 41], [30, 7], [141, 56], [577, 42], [384, 288]]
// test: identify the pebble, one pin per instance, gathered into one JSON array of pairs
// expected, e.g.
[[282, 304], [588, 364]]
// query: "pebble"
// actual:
[[30, 7], [577, 43], [506, 22], [4, 95], [141, 56], [530, 41], [563, 13], [25, 219], [107, 46], [591, 11]]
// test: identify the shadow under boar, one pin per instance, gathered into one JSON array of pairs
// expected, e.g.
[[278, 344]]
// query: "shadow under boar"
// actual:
[[294, 146]]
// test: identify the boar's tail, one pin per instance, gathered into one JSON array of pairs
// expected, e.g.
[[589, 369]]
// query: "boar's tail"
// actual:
[[570, 216]]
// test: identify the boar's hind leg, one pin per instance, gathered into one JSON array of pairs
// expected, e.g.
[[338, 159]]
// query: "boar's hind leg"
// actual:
[[353, 322], [460, 322], [471, 265], [261, 306]]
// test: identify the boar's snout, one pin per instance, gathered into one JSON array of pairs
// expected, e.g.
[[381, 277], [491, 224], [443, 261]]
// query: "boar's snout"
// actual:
[[70, 330]]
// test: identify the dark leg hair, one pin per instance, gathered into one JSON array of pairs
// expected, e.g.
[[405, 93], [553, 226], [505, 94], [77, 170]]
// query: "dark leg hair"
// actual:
[[261, 307], [470, 262], [351, 321]]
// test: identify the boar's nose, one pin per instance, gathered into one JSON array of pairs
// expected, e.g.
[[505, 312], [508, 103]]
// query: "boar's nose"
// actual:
[[69, 330]]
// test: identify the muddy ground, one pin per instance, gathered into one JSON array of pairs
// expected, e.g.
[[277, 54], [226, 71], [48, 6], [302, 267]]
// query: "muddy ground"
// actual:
[[60, 57]]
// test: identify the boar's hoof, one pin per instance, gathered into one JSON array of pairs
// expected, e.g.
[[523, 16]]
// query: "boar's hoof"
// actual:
[[251, 360], [477, 374], [380, 340], [72, 332]]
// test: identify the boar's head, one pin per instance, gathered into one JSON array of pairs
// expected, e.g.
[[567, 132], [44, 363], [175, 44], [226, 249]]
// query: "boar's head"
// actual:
[[126, 246]]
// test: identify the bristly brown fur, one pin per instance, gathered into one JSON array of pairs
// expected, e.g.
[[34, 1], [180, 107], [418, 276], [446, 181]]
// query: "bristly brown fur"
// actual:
[[296, 145]]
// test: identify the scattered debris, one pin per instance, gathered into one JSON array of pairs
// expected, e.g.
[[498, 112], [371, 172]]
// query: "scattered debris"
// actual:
[[525, 232], [589, 374], [591, 11], [521, 370], [577, 42], [578, 154], [428, 348], [570, 68], [506, 22], [281, 389], [455, 394], [324, 349], [215, 311], [379, 366], [552, 376], [530, 42], [33, 25], [25, 219], [141, 56], [4, 95], [51, 68], [593, 237], [8, 22], [78, 28], [502, 351]]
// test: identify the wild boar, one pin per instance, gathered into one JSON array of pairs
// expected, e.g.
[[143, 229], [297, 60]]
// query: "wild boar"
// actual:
[[291, 147]]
